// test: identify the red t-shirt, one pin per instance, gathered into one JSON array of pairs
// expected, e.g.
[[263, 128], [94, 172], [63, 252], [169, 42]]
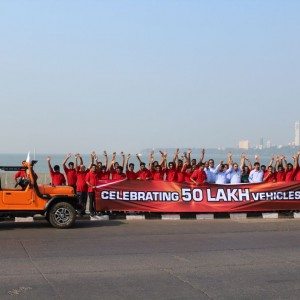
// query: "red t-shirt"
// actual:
[[297, 174], [290, 175], [57, 178], [171, 175], [187, 177], [131, 175], [92, 178], [180, 175], [21, 173], [199, 176], [104, 175], [119, 176], [144, 174], [270, 177], [71, 175], [158, 175], [280, 176], [81, 185]]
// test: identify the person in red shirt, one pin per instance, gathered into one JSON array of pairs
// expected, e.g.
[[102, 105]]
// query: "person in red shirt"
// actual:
[[270, 175], [81, 186], [188, 172], [158, 173], [119, 174], [70, 172], [280, 174], [199, 176], [56, 177], [22, 173], [290, 170], [92, 179], [130, 174], [114, 165], [171, 172], [143, 173], [104, 174]]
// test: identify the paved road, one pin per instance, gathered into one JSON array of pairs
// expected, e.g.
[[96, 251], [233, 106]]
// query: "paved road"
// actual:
[[153, 259]]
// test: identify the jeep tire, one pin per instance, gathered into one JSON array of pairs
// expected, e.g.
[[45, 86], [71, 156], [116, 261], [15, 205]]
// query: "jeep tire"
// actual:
[[62, 215]]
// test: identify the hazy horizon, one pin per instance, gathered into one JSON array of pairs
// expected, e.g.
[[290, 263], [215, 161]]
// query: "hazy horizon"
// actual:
[[78, 76]]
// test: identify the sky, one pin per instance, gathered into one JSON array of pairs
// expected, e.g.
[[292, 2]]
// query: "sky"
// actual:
[[127, 75]]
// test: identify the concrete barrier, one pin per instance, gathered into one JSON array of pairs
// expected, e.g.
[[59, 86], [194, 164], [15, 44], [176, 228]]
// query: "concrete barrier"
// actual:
[[297, 215], [270, 215], [238, 216], [135, 217], [24, 220], [205, 216], [170, 217]]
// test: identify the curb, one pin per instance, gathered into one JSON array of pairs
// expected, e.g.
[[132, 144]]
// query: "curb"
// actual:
[[173, 217]]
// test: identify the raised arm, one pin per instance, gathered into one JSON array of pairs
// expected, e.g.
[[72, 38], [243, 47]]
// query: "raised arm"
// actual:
[[249, 162], [278, 162], [93, 156], [106, 159], [49, 164], [175, 158], [66, 159], [243, 161], [127, 163], [113, 160], [229, 159], [284, 162], [138, 158], [151, 159], [271, 161], [77, 158], [123, 160]]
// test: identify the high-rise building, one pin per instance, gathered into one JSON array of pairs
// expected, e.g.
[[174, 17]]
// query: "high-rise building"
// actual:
[[268, 145], [297, 133], [261, 143], [244, 144]]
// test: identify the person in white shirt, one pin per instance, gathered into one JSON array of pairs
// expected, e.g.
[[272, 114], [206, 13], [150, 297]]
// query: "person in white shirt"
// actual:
[[221, 174], [256, 175], [235, 174], [212, 171]]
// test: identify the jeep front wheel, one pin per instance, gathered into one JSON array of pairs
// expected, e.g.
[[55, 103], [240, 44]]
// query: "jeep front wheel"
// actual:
[[62, 215]]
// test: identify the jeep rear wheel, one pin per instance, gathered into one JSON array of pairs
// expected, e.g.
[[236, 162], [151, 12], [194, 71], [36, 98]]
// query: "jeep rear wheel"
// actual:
[[62, 215]]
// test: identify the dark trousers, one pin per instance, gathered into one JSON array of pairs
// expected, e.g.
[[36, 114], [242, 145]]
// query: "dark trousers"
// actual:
[[82, 199], [92, 202]]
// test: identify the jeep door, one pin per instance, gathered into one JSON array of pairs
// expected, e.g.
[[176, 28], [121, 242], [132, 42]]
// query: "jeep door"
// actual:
[[19, 198]]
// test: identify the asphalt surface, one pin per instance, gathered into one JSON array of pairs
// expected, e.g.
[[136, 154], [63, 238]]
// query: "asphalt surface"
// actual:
[[152, 259]]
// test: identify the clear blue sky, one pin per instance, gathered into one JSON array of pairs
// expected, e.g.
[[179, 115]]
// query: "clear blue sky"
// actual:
[[128, 75]]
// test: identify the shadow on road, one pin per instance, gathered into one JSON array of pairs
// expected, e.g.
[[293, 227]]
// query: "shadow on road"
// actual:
[[44, 224]]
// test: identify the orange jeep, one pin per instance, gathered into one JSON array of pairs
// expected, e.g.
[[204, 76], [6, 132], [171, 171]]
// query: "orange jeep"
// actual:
[[57, 204]]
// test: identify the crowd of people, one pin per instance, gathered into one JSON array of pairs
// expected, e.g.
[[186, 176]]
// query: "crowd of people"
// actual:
[[180, 169]]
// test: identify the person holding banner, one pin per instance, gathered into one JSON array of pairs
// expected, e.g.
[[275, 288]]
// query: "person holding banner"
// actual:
[[143, 173], [221, 173], [290, 170], [256, 175], [130, 174], [199, 176]]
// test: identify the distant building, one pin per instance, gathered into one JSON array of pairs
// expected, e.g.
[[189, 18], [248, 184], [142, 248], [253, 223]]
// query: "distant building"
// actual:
[[297, 133], [244, 144], [268, 145], [261, 143]]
